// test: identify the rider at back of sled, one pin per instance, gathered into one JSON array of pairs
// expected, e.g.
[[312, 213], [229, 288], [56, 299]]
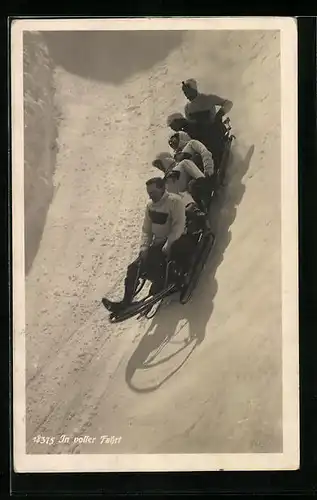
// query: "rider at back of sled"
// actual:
[[164, 238], [202, 121]]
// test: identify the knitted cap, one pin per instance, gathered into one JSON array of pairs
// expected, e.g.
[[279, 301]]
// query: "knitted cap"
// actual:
[[174, 116], [191, 83]]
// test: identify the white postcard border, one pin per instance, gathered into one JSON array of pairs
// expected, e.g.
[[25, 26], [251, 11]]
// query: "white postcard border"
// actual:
[[289, 459]]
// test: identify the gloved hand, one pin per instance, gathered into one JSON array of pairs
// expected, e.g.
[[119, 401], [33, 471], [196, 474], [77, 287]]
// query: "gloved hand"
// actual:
[[220, 114], [143, 253], [166, 250], [190, 185], [209, 176], [182, 156]]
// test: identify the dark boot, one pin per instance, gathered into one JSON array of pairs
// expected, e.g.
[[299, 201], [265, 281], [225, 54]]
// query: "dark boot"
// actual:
[[155, 288], [129, 288], [208, 230], [158, 282], [113, 307]]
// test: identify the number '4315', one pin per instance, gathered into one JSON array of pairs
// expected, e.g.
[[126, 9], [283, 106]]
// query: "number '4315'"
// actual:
[[43, 440]]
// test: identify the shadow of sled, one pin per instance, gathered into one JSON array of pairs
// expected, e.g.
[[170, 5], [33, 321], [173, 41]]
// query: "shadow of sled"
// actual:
[[164, 328]]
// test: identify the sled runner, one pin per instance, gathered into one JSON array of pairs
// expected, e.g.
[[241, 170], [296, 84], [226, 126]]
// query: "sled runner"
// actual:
[[217, 181], [174, 283], [221, 170], [228, 138]]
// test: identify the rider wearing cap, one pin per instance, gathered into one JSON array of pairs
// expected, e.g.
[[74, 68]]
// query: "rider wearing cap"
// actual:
[[187, 148], [178, 122], [186, 171], [183, 176]]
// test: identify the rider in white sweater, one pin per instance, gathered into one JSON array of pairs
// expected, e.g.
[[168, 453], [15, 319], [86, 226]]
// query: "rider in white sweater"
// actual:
[[185, 147], [185, 171], [164, 222], [163, 237]]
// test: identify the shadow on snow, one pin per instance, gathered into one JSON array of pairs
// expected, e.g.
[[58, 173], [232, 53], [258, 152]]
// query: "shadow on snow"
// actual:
[[110, 56], [164, 328]]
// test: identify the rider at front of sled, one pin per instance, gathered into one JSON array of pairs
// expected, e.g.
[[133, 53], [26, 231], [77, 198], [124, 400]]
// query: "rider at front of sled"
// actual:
[[175, 245]]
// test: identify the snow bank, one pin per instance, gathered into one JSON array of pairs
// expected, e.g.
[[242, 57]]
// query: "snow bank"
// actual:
[[40, 124]]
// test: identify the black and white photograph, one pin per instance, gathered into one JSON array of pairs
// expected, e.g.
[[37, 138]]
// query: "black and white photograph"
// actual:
[[155, 244]]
